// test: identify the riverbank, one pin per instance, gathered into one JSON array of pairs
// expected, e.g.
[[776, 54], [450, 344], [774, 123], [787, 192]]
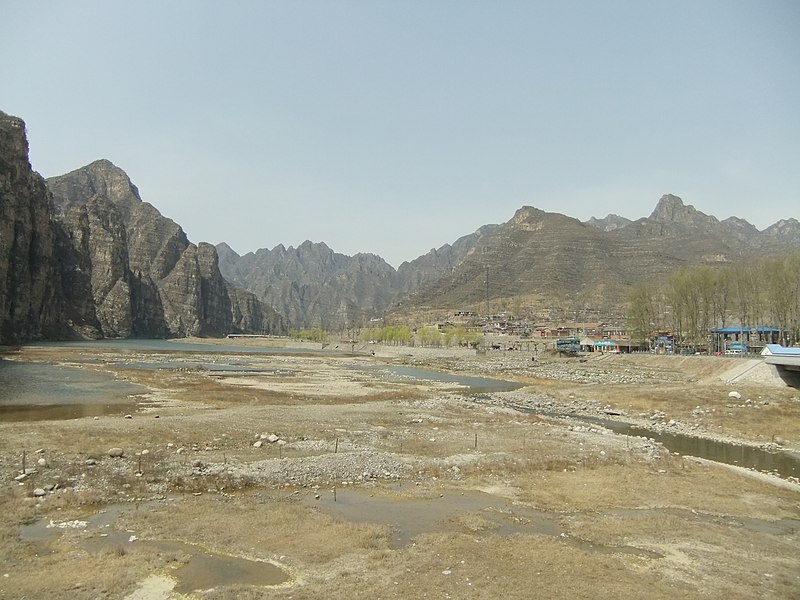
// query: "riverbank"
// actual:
[[357, 480]]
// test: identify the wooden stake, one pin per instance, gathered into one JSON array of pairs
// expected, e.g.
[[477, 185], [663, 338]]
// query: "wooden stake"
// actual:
[[336, 449], [476, 441], [23, 462]]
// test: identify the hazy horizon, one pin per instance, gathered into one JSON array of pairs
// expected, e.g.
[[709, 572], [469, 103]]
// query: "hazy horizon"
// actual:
[[394, 128]]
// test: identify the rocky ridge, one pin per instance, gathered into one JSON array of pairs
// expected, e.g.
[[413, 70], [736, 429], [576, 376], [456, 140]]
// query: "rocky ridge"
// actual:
[[81, 255]]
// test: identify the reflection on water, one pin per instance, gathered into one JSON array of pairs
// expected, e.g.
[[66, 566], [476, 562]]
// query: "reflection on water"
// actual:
[[39, 391], [201, 570], [474, 512], [785, 464], [473, 385]]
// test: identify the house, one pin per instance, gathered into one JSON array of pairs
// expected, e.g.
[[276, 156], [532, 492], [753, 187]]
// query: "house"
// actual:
[[746, 339]]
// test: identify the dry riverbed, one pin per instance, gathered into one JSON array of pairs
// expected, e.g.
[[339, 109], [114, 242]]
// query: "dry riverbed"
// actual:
[[308, 475]]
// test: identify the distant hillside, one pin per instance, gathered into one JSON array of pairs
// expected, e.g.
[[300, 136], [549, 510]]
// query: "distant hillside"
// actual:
[[553, 265], [316, 287], [545, 264]]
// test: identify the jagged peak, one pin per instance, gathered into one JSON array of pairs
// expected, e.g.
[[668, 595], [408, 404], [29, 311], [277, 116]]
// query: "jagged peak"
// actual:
[[525, 213], [671, 209], [224, 249], [610, 222], [98, 178], [784, 226]]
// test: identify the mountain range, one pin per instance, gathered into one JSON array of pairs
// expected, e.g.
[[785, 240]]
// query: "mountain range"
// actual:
[[82, 255]]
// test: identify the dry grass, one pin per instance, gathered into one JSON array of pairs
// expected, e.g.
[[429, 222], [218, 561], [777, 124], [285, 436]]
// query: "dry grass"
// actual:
[[597, 489]]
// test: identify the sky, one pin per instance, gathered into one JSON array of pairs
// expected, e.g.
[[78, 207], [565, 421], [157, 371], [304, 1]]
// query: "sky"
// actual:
[[396, 126]]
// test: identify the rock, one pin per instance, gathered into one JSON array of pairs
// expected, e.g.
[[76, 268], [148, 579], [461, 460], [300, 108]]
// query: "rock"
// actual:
[[42, 462], [258, 444], [90, 462], [735, 395], [128, 416], [281, 442], [272, 438], [39, 492], [115, 452]]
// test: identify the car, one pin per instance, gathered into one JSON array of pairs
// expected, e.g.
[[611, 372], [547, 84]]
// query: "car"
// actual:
[[733, 352]]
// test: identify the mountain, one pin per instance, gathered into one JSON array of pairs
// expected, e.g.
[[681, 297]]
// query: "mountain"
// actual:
[[316, 287], [312, 285], [548, 264], [81, 255], [608, 223], [438, 262], [554, 266], [143, 274]]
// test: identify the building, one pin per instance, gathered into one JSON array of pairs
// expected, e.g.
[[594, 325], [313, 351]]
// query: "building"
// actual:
[[745, 339]]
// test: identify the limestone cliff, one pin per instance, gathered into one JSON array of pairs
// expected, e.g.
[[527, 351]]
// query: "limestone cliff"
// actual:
[[81, 255], [147, 279], [31, 305], [313, 285]]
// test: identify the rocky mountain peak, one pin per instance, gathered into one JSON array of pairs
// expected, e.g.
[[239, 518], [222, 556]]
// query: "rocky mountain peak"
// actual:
[[102, 179], [528, 218], [671, 209], [608, 223], [14, 143], [787, 230]]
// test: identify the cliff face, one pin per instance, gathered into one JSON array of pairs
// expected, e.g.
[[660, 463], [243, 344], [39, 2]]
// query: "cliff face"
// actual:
[[147, 279], [81, 255], [30, 303], [313, 285]]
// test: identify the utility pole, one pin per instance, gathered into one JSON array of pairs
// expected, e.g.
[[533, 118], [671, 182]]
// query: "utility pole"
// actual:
[[486, 291]]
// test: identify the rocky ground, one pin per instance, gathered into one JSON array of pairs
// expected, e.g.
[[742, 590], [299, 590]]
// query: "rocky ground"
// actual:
[[349, 479]]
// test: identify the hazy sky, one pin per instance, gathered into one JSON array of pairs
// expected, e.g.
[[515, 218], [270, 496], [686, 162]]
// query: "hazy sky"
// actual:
[[395, 126]]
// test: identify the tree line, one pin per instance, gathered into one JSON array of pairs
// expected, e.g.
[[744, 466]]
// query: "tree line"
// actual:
[[762, 293], [423, 336]]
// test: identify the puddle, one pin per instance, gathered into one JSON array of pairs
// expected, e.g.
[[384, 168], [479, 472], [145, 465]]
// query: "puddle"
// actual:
[[40, 391], [206, 570], [201, 569], [476, 513]]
